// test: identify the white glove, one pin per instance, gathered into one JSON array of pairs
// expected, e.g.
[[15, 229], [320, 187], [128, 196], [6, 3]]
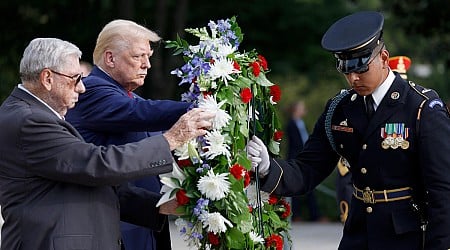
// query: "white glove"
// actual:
[[258, 155]]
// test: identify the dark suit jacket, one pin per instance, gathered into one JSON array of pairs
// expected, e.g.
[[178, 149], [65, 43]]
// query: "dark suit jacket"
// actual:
[[56, 191], [424, 166], [105, 114], [294, 139]]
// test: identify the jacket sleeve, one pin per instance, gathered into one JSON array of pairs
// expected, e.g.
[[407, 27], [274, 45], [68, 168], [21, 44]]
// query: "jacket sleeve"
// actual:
[[53, 150], [106, 109], [434, 148], [312, 165]]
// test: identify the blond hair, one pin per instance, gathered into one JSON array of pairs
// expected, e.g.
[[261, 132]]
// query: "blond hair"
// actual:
[[118, 34]]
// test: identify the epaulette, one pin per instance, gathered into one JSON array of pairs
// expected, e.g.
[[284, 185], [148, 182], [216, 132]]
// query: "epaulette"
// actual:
[[428, 95]]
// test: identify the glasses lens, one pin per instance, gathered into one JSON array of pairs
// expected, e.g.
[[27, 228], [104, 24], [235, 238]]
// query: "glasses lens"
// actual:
[[358, 65]]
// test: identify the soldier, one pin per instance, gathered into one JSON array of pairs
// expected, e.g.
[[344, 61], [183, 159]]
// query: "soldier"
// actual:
[[344, 186], [394, 134]]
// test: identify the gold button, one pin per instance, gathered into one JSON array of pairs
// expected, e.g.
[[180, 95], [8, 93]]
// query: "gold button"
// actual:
[[369, 210], [364, 146], [363, 171]]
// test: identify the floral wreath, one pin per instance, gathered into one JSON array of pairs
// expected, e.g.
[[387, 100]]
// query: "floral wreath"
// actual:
[[212, 181]]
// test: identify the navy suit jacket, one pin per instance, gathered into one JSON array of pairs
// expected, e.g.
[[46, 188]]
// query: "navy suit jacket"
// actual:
[[56, 190], [106, 114]]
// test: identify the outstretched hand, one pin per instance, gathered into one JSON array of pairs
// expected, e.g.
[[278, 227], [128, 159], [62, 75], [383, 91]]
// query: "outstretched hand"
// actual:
[[190, 125], [259, 156]]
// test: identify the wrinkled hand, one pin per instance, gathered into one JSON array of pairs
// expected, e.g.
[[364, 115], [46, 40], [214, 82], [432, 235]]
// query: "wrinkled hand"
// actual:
[[169, 208], [190, 125], [258, 154]]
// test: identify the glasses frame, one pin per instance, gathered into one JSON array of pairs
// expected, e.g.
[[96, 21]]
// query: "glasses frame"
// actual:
[[76, 78], [364, 68]]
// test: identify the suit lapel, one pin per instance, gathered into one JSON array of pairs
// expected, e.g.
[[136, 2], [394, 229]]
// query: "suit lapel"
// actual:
[[391, 103]]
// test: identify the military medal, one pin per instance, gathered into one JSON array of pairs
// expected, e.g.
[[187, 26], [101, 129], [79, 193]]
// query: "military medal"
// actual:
[[395, 135]]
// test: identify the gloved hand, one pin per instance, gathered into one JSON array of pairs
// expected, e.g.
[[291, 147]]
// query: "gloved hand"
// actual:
[[258, 154]]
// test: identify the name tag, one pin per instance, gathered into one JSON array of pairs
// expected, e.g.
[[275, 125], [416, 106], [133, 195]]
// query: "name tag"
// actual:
[[342, 128]]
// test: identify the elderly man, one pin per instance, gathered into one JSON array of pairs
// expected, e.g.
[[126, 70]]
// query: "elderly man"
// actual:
[[395, 136], [56, 190]]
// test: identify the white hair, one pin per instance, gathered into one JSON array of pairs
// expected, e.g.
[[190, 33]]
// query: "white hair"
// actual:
[[44, 53]]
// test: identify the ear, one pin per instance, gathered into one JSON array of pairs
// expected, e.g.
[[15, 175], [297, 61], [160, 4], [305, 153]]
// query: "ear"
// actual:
[[108, 58], [385, 58], [46, 79]]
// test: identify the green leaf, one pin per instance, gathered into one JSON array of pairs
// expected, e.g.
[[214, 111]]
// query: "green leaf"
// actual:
[[235, 239], [263, 81]]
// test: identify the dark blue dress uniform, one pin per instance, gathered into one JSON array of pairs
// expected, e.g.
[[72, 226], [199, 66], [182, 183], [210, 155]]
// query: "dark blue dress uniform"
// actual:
[[400, 161]]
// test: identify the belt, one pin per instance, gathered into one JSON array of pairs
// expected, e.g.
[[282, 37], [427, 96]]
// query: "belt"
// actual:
[[371, 196]]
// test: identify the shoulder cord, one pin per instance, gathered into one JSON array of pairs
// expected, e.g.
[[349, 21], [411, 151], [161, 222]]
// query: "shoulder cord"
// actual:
[[329, 115]]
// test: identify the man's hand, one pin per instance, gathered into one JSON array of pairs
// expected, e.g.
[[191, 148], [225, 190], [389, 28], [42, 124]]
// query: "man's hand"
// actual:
[[258, 154], [169, 208], [190, 125]]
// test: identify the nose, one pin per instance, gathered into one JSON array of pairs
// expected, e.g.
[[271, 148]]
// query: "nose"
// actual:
[[80, 88], [147, 63], [353, 76]]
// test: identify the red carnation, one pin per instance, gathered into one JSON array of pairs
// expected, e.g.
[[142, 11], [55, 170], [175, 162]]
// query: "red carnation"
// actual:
[[182, 199], [213, 239], [246, 95], [274, 240], [273, 200], [250, 209], [263, 62], [184, 163], [278, 135], [246, 179], [256, 69], [236, 65], [275, 92], [237, 171]]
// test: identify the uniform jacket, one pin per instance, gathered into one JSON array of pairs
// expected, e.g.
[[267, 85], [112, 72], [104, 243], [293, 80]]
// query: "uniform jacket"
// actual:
[[56, 190], [424, 166], [106, 114]]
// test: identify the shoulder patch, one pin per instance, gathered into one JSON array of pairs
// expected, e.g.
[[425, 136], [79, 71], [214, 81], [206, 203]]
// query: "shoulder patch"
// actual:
[[435, 102]]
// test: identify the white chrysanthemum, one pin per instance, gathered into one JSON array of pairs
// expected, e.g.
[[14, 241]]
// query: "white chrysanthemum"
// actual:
[[256, 238], [209, 103], [216, 145], [222, 68], [215, 222], [223, 50], [251, 195], [214, 186]]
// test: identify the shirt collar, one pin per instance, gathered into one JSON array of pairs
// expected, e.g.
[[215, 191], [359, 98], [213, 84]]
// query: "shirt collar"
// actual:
[[20, 86], [381, 91]]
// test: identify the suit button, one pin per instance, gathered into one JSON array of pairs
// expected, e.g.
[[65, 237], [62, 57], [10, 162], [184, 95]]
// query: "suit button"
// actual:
[[341, 146], [364, 147], [369, 210], [363, 171]]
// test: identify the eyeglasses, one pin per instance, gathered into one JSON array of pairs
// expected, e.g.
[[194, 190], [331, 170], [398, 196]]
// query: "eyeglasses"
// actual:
[[76, 78], [357, 65]]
